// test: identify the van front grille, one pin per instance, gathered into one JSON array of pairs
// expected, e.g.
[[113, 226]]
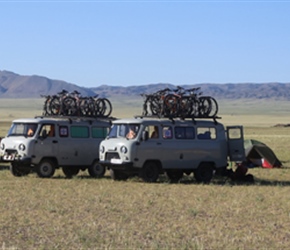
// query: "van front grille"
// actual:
[[110, 156]]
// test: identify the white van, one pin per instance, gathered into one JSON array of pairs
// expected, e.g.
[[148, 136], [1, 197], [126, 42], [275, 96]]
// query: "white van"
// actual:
[[148, 147], [43, 144]]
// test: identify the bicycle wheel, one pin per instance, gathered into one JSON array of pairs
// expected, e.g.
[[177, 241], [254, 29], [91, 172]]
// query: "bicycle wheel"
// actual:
[[171, 106], [46, 109], [87, 107], [107, 110], [146, 106], [55, 106], [185, 107], [214, 107], [99, 107], [204, 107], [155, 106], [69, 106]]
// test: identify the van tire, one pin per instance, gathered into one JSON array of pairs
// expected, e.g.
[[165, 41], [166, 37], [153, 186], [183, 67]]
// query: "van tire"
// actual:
[[96, 170], [117, 175], [69, 171], [19, 171], [45, 169], [174, 175], [204, 173], [150, 172]]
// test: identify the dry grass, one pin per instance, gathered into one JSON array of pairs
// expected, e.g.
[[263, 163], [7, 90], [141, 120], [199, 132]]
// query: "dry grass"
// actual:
[[84, 213]]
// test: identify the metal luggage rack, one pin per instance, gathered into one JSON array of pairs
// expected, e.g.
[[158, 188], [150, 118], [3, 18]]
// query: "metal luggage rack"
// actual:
[[78, 118], [193, 118]]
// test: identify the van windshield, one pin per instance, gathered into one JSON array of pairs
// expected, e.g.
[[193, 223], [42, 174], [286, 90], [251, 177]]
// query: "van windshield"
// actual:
[[128, 131], [22, 129]]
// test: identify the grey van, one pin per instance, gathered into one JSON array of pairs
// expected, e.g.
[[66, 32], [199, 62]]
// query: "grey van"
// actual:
[[148, 147], [43, 144]]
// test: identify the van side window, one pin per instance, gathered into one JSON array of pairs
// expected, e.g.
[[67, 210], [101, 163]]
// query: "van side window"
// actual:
[[153, 132], [206, 133], [79, 131], [47, 130], [234, 133], [184, 132], [99, 132], [167, 132], [63, 131]]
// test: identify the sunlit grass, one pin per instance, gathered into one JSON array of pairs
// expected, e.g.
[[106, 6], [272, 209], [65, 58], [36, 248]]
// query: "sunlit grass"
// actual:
[[86, 213]]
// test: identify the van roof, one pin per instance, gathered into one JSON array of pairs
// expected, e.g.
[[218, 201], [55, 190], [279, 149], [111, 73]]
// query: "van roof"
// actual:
[[150, 121], [45, 119]]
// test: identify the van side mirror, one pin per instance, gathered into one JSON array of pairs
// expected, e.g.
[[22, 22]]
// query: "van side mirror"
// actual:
[[145, 135]]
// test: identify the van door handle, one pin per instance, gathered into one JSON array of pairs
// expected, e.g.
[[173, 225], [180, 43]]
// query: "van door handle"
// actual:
[[54, 141]]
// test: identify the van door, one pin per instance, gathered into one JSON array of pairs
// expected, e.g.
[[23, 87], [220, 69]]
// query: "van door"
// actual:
[[151, 148], [46, 144], [236, 150]]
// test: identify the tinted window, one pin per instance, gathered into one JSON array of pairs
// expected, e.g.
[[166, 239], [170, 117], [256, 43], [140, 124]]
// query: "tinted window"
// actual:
[[99, 132], [79, 132]]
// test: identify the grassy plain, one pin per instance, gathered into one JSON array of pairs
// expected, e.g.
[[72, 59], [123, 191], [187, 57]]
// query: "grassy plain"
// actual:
[[85, 213]]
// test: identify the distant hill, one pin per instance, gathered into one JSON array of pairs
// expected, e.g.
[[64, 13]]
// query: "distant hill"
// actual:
[[275, 91], [16, 86], [13, 85]]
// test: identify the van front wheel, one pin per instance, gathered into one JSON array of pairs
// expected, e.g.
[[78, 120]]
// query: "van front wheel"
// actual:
[[18, 171], [96, 170], [149, 172], [45, 169]]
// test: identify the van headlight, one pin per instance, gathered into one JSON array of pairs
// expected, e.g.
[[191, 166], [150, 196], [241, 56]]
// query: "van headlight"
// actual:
[[102, 149], [21, 147], [124, 150]]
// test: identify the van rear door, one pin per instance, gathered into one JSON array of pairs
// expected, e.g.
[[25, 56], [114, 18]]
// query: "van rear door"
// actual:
[[236, 150]]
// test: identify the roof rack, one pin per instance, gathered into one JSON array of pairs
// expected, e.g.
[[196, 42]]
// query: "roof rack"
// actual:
[[77, 118], [193, 118]]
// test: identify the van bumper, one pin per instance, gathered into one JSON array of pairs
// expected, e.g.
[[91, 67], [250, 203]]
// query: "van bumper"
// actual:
[[120, 166], [22, 160]]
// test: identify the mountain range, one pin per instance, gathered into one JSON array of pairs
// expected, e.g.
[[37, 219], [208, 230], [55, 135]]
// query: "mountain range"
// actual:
[[13, 85]]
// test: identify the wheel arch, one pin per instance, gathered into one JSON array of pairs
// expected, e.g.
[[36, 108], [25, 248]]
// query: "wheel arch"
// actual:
[[53, 159], [157, 162]]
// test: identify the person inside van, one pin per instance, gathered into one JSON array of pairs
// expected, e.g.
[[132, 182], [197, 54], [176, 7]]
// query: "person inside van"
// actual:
[[131, 134], [51, 131], [155, 133], [31, 130]]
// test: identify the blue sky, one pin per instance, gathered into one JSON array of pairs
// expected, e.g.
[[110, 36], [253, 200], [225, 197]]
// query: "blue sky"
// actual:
[[91, 43]]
